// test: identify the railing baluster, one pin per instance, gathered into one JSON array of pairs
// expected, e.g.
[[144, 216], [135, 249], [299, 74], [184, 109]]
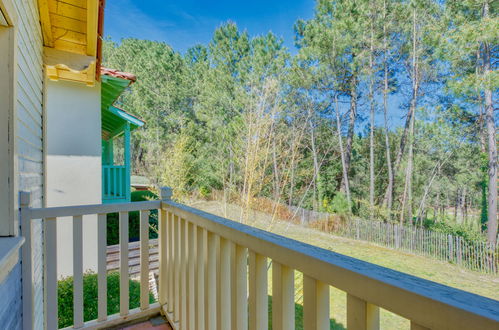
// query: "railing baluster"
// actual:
[[191, 276], [177, 242], [144, 260], [283, 293], [241, 287], [183, 273], [102, 266], [124, 289], [315, 304], [211, 283], [258, 300], [164, 259], [171, 261], [77, 272], [109, 181], [200, 277], [361, 315], [27, 272], [225, 285], [51, 272]]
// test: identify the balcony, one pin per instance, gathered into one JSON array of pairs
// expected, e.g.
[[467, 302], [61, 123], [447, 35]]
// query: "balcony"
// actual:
[[213, 274], [114, 184]]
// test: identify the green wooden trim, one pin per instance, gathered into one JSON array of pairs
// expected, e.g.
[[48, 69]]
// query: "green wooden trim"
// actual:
[[127, 156]]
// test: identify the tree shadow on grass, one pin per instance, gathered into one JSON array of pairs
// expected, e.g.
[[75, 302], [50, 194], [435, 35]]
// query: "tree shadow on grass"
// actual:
[[333, 325]]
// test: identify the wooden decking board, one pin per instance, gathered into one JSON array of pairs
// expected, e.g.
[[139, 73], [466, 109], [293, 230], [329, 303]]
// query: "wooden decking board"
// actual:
[[113, 257]]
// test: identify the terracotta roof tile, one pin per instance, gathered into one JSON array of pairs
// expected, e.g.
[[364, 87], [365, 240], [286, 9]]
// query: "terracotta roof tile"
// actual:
[[117, 74]]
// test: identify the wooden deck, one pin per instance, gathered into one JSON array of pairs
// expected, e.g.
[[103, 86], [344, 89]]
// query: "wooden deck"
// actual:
[[113, 258]]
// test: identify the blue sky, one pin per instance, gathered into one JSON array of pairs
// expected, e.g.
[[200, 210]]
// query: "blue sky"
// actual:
[[185, 23]]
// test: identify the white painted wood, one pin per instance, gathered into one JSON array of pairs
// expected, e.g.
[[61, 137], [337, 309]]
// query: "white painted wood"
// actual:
[[77, 272], [65, 211], [415, 326], [315, 304], [241, 287], [27, 270], [124, 286], [211, 283], [171, 261], [116, 319], [51, 272], [144, 259], [225, 285], [283, 297], [191, 275], [438, 305], [200, 277], [178, 247], [9, 254], [102, 266], [183, 274], [258, 300], [163, 257], [361, 315]]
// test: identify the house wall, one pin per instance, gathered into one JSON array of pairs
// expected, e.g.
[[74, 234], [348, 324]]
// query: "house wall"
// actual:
[[73, 164], [28, 160]]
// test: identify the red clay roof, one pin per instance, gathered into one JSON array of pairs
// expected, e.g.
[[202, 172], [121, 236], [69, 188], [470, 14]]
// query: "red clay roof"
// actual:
[[117, 74]]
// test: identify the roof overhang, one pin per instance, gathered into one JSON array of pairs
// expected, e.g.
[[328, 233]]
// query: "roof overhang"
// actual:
[[75, 28], [114, 121]]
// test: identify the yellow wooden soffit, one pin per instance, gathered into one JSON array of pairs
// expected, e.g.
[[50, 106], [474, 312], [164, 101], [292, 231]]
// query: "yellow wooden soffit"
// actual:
[[63, 72], [45, 22], [92, 26]]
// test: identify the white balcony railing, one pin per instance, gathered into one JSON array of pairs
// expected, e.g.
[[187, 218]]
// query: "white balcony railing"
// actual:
[[213, 275]]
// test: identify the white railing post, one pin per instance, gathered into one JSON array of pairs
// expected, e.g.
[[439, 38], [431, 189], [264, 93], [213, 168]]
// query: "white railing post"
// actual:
[[258, 299], [50, 256], [283, 297], [200, 277], [241, 287], [361, 315], [27, 274], [102, 266], [144, 260], [315, 304], [165, 252], [225, 285], [124, 285], [77, 272]]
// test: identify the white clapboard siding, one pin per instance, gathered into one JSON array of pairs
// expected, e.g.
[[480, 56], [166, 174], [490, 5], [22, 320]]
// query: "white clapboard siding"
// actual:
[[29, 131]]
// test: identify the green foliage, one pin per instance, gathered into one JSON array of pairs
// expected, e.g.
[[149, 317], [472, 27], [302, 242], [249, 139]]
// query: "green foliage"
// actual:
[[461, 230], [242, 118], [90, 297], [339, 205]]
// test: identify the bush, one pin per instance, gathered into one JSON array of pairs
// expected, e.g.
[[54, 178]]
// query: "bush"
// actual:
[[90, 297], [133, 220]]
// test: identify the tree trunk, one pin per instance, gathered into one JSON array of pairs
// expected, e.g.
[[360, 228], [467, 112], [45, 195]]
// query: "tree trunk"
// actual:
[[342, 152], [351, 126], [492, 146], [317, 184], [407, 199], [371, 125], [387, 201]]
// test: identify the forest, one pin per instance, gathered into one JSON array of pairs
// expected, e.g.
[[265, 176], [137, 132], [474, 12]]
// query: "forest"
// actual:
[[385, 110]]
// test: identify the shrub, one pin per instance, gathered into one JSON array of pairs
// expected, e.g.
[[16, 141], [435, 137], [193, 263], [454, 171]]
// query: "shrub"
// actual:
[[90, 297], [133, 220]]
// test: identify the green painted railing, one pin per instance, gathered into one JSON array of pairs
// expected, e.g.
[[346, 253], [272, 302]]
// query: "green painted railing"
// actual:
[[114, 182]]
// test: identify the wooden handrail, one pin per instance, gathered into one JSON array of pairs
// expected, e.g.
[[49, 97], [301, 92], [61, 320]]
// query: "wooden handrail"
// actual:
[[427, 304], [213, 275]]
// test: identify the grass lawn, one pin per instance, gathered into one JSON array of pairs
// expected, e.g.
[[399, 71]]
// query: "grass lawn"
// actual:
[[430, 269]]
